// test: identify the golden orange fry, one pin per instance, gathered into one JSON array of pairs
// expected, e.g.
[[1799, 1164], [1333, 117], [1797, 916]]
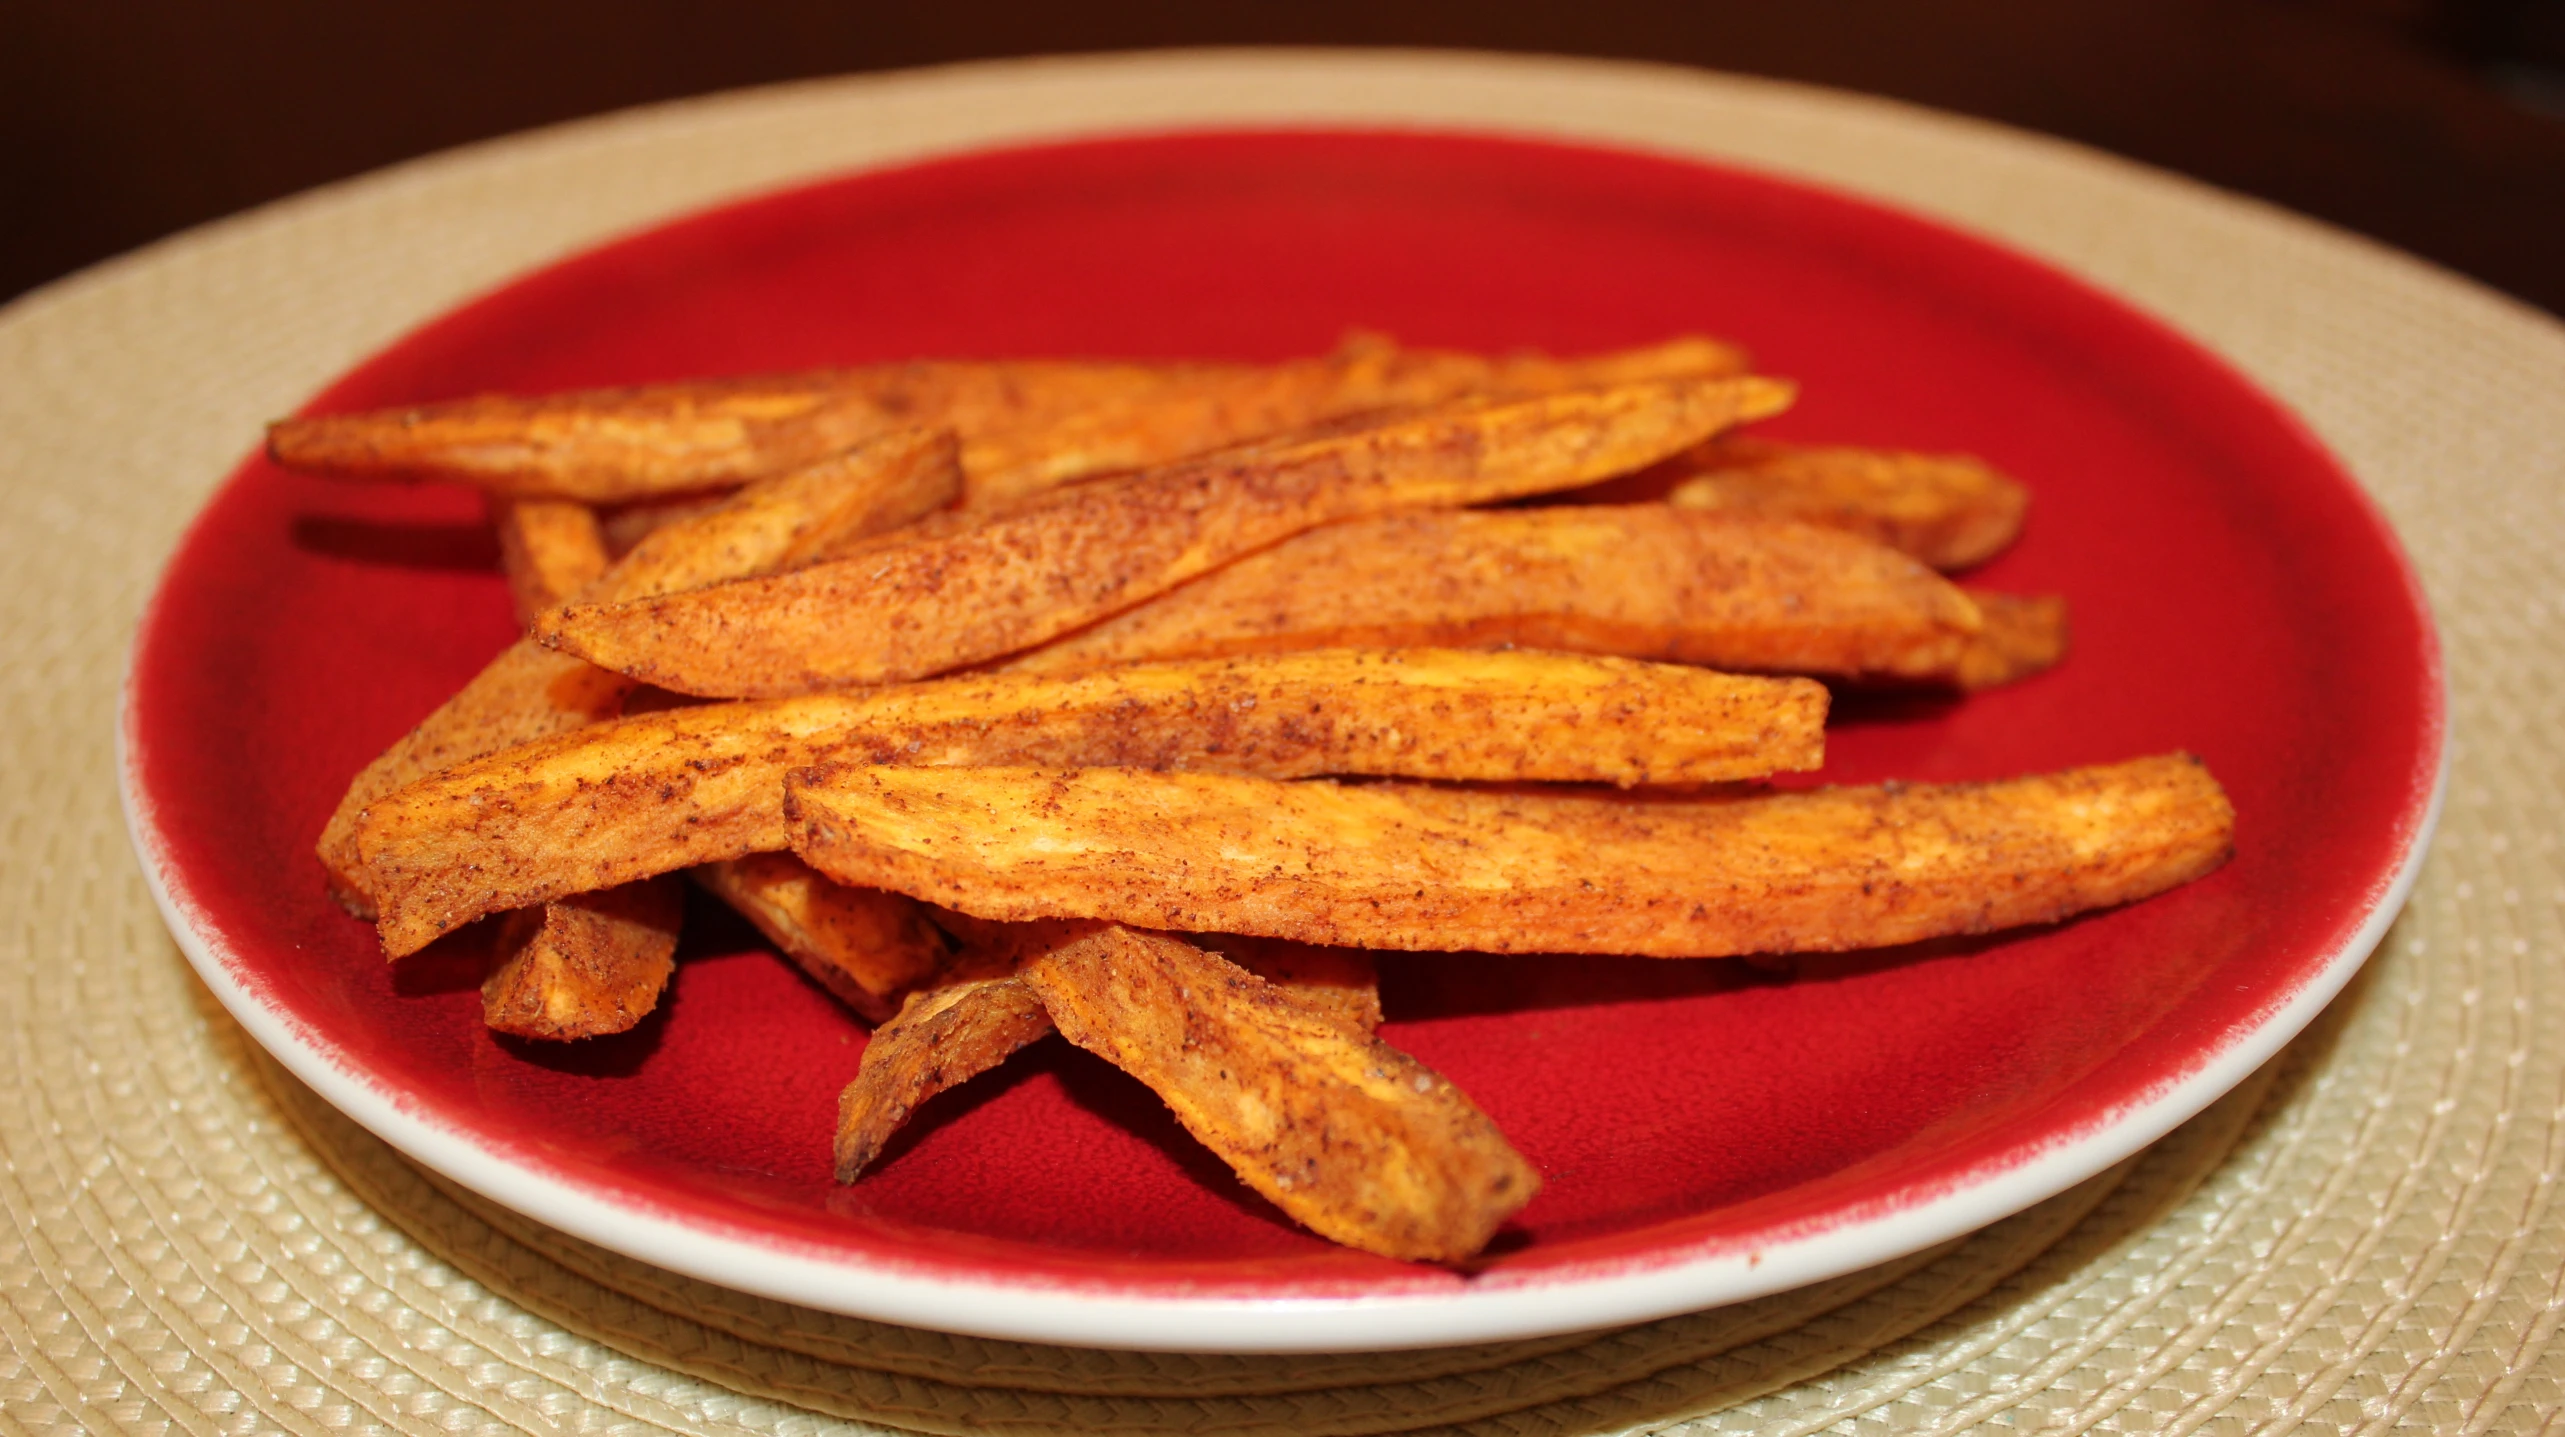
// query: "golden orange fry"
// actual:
[[550, 549], [811, 513], [1948, 510], [1353, 1139], [976, 1015], [526, 692], [1405, 866], [867, 947], [908, 607], [1343, 983], [669, 790], [626, 525], [586, 966], [786, 520], [610, 446], [1026, 425], [943, 1035], [1157, 425], [1646, 581], [2023, 635]]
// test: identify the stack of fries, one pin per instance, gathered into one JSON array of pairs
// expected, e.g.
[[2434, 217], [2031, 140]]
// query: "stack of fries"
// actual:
[[988, 690]]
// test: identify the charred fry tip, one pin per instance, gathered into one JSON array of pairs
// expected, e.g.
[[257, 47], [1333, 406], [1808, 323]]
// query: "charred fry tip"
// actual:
[[856, 1144]]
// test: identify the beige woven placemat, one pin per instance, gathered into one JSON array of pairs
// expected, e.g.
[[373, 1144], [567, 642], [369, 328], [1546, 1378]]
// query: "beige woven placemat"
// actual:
[[2363, 1237]]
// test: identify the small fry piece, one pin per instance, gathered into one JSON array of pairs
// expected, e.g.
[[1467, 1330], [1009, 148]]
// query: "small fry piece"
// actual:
[[550, 549], [943, 1036], [1647, 581], [626, 525], [2024, 634], [867, 947], [979, 1014], [1352, 1138], [529, 692], [909, 607], [1404, 866], [586, 966], [668, 790], [1948, 510]]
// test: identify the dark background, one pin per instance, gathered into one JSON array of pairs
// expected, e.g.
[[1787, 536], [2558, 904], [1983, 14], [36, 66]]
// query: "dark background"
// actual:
[[2435, 125]]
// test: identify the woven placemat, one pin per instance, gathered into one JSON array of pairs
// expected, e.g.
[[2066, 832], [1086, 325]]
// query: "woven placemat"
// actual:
[[2362, 1237]]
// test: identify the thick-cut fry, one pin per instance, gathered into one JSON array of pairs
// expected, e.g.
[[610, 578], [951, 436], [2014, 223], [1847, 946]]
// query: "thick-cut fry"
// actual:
[[1404, 866], [668, 790], [550, 549], [1026, 424], [909, 607], [2024, 634], [585, 966], [529, 692], [1949, 510], [1350, 1137], [1647, 580], [977, 1015], [867, 947]]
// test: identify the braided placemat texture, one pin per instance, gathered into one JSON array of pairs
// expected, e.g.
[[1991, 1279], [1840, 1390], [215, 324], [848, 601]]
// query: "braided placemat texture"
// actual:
[[2363, 1237]]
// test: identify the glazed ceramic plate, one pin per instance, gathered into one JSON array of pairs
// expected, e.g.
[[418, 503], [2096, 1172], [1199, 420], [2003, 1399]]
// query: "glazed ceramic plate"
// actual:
[[1707, 1131]]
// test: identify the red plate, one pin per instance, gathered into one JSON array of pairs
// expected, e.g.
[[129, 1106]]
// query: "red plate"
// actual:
[[1706, 1131]]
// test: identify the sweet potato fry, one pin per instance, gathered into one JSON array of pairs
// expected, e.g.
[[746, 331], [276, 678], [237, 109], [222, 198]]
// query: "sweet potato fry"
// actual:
[[943, 1036], [550, 549], [867, 947], [526, 692], [575, 961], [668, 790], [908, 607], [586, 966], [1342, 983], [1949, 510], [1647, 581], [979, 1014], [1350, 1137], [2024, 634], [609, 446], [1026, 425], [1689, 356], [529, 692], [794, 518], [1158, 425], [1402, 866], [626, 525]]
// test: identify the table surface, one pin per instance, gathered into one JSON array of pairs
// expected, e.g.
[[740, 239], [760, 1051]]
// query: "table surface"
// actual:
[[2437, 126]]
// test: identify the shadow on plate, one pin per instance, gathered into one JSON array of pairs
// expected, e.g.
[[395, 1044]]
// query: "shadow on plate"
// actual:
[[456, 548]]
